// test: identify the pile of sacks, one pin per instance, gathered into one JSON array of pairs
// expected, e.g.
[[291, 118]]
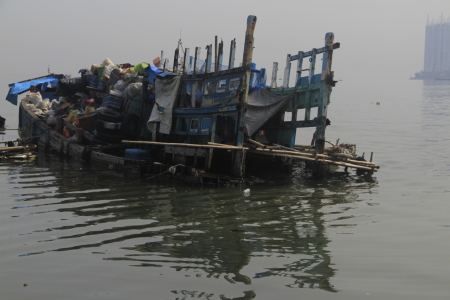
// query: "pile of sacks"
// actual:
[[38, 105]]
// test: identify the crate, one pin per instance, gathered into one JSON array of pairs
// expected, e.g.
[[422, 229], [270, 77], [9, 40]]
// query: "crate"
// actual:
[[138, 154], [112, 102], [93, 81], [87, 121]]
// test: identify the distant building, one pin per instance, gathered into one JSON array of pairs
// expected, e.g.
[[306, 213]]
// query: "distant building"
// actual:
[[436, 64]]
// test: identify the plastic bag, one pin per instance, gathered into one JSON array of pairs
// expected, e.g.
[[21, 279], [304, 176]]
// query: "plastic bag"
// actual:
[[73, 116], [44, 104], [89, 109], [55, 104], [51, 120], [116, 93], [107, 62], [120, 85], [34, 98], [140, 68], [133, 90]]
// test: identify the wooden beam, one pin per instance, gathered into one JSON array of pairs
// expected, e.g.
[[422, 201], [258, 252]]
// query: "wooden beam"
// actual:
[[179, 144], [16, 148]]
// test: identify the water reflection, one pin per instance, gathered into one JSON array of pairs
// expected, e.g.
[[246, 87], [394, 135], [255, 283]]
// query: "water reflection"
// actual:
[[210, 233]]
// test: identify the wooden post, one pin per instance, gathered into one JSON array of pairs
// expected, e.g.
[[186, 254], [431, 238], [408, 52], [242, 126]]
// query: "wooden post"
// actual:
[[197, 59], [328, 55], [293, 119], [287, 71], [216, 57], [273, 84], [248, 53], [312, 65], [175, 60], [208, 59], [239, 156], [299, 68], [325, 91], [232, 53], [213, 137], [220, 56], [186, 61]]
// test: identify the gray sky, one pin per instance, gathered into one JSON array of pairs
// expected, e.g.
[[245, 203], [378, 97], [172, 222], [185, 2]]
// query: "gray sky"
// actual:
[[379, 39]]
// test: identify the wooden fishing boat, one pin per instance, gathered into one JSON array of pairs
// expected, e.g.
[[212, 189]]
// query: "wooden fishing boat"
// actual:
[[200, 120]]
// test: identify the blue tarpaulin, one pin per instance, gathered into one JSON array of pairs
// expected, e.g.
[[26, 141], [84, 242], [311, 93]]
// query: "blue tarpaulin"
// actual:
[[152, 72], [19, 88]]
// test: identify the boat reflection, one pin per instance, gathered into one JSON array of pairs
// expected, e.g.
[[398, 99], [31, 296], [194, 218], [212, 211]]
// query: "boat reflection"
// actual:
[[211, 233]]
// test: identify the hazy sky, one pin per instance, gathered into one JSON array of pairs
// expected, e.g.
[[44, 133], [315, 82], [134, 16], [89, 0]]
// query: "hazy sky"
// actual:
[[379, 39]]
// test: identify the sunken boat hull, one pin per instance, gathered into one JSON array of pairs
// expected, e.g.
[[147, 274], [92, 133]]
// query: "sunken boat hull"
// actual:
[[196, 120]]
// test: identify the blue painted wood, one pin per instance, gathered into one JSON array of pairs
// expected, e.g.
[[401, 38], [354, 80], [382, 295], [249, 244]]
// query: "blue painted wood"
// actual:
[[310, 91], [312, 66], [300, 56]]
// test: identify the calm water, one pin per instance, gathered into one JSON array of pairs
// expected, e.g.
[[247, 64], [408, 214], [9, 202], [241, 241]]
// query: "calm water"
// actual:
[[71, 232]]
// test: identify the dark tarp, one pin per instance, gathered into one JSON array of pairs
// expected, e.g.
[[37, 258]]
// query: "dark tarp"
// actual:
[[70, 86], [262, 105], [19, 88]]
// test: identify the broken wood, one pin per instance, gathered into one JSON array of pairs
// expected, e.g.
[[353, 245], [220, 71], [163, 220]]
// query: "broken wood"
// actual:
[[256, 143], [318, 158]]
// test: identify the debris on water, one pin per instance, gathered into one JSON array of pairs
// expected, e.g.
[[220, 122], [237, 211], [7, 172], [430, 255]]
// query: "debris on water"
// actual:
[[246, 192]]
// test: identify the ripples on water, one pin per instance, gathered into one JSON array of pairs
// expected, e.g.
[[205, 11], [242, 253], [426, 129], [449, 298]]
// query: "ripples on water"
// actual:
[[279, 231]]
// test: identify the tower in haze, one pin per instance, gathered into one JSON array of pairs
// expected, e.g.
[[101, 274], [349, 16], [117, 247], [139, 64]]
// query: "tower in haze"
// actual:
[[436, 63]]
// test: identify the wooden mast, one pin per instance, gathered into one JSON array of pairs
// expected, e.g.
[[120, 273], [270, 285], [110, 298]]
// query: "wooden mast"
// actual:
[[239, 156]]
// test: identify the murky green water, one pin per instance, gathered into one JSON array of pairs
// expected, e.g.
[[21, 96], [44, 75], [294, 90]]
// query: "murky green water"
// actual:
[[68, 231]]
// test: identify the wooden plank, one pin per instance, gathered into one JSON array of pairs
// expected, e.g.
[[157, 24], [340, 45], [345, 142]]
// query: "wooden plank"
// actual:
[[256, 143], [298, 157], [283, 152], [177, 144], [178, 150], [318, 51], [17, 148]]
